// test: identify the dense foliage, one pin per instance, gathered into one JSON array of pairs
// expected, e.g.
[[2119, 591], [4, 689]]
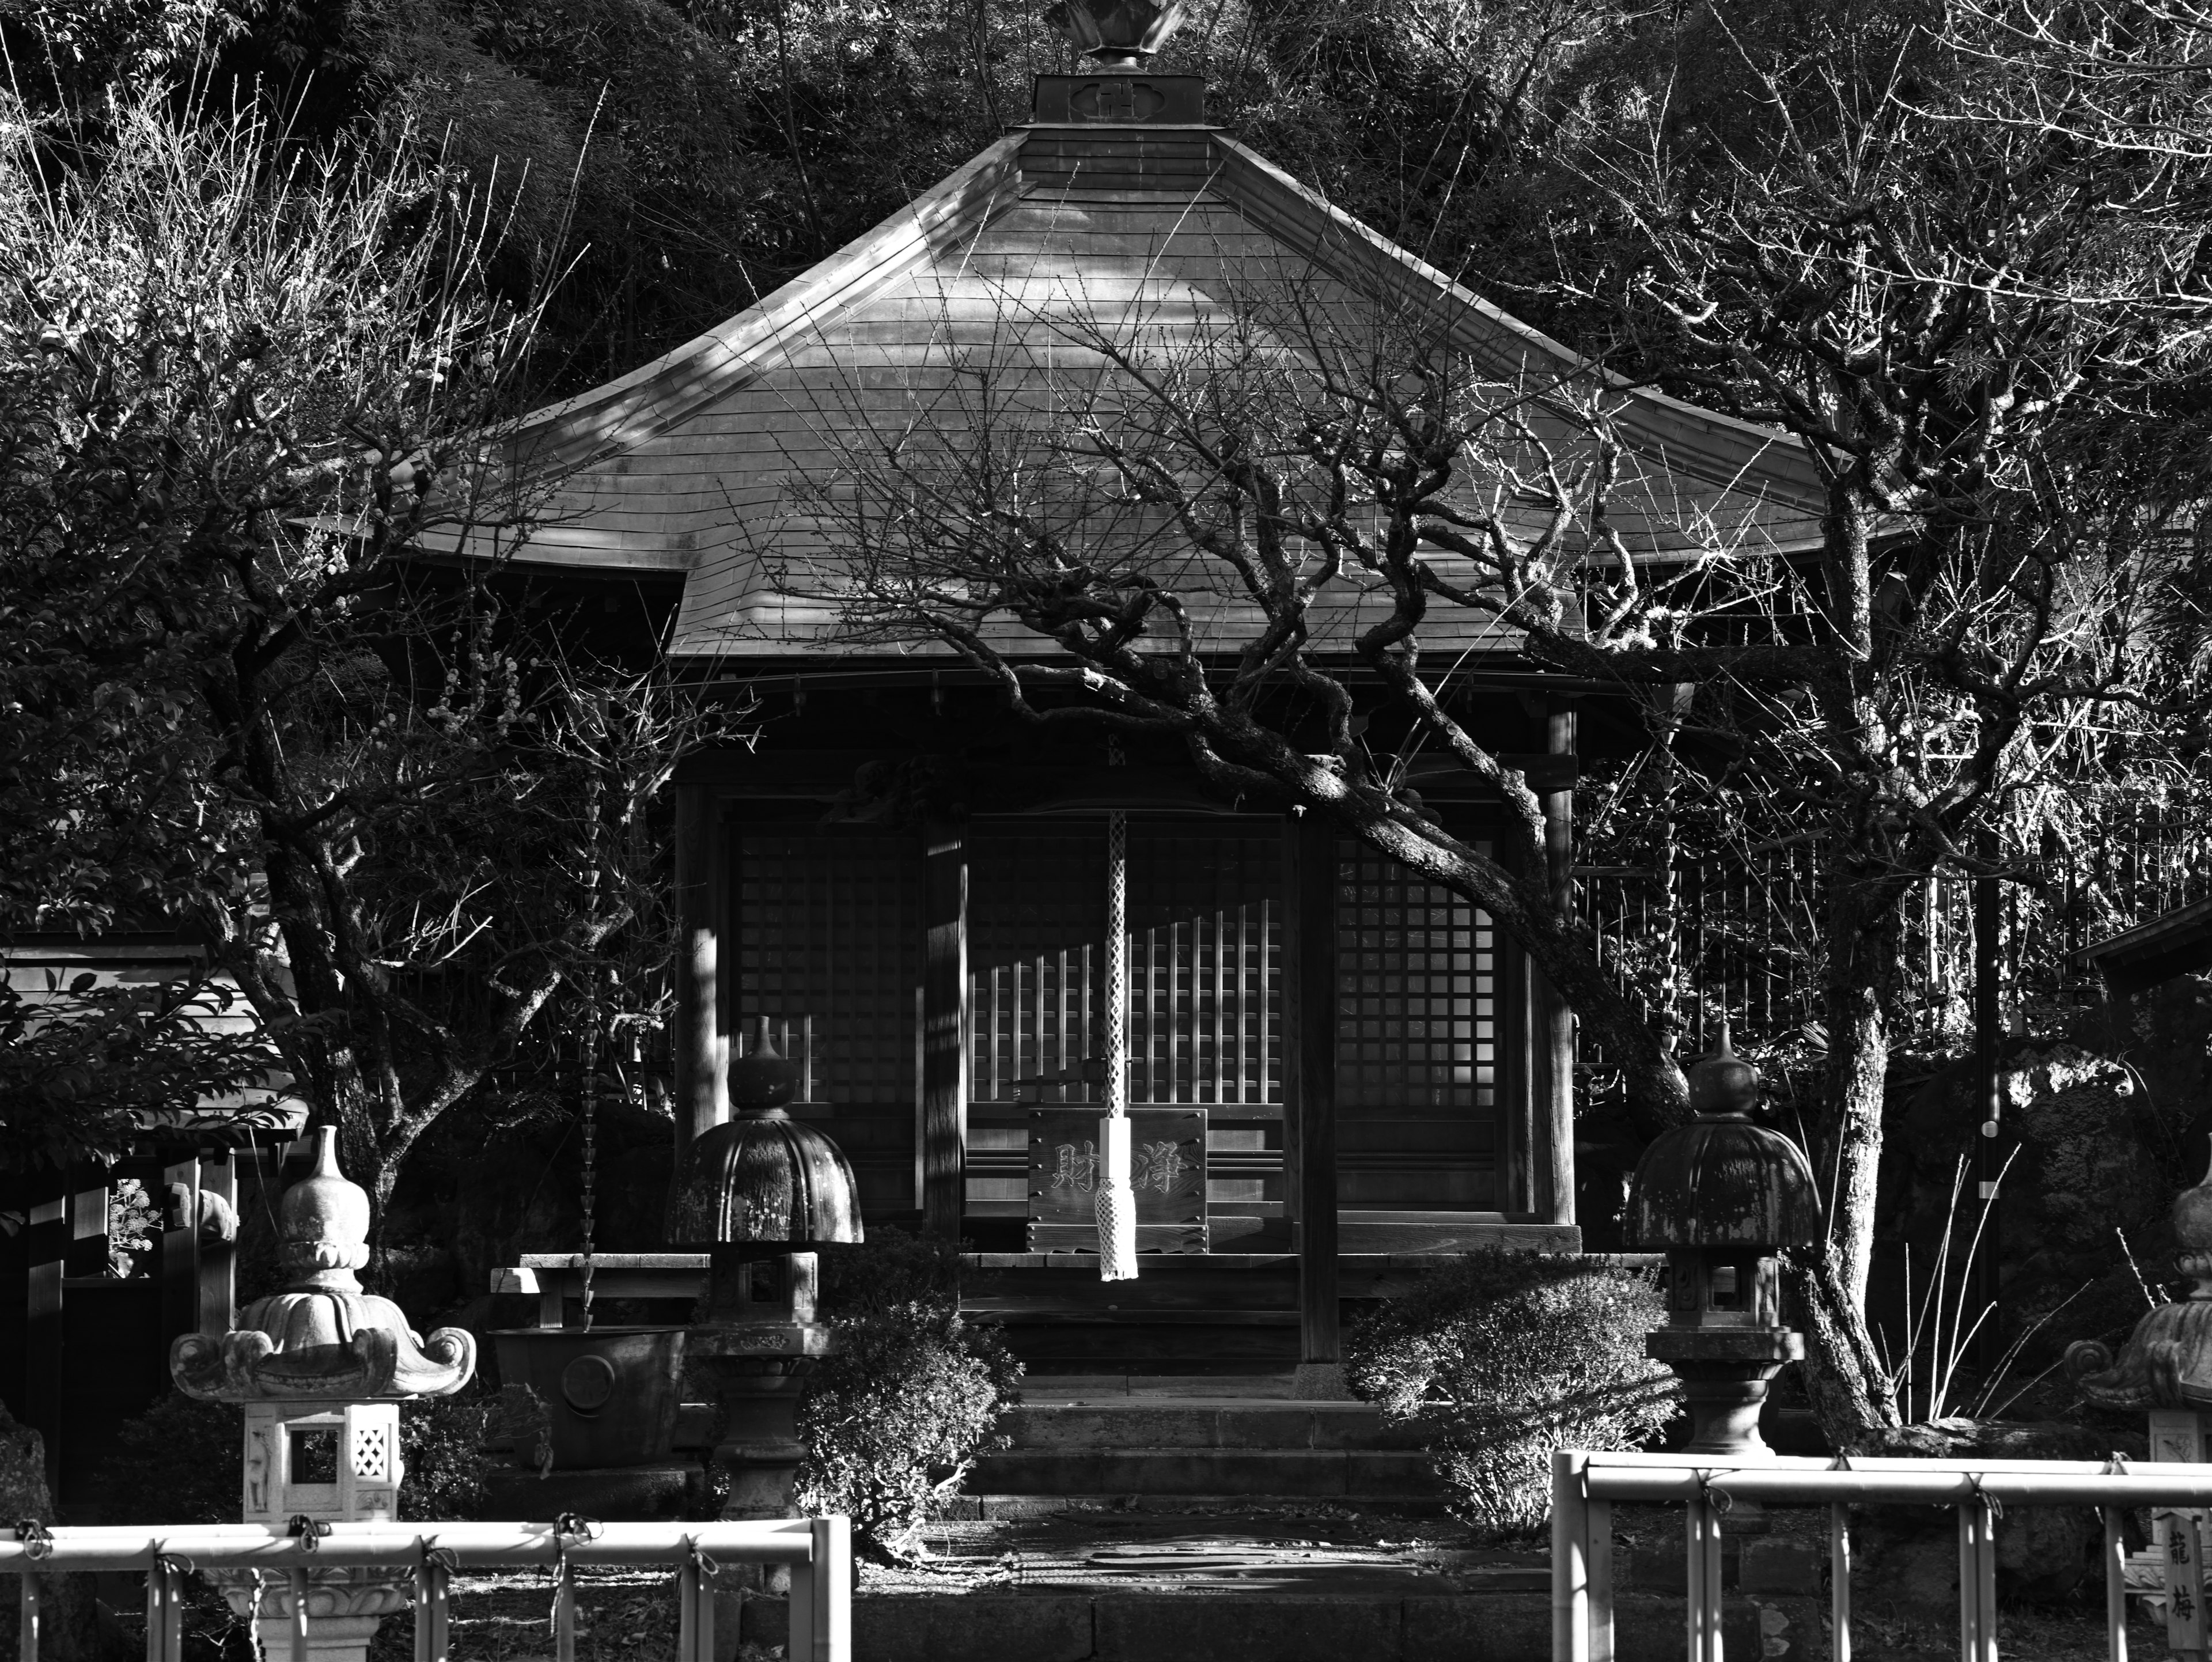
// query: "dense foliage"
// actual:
[[894, 1418], [240, 381], [1500, 1358], [182, 1462]]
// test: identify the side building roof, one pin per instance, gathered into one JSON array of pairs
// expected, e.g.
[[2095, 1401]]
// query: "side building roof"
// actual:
[[684, 465]]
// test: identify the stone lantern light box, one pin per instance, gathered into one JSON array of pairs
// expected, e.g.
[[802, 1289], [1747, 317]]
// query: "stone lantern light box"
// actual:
[[1721, 1196]]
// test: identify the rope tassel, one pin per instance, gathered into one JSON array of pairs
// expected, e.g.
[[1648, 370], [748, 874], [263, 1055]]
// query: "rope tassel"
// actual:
[[1116, 1200]]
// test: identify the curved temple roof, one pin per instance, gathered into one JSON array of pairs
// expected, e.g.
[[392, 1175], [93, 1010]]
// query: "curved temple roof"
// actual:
[[1057, 234]]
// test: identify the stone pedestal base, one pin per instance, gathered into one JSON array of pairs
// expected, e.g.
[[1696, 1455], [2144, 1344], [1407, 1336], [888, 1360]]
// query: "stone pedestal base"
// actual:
[[759, 1446], [345, 1607], [1725, 1372]]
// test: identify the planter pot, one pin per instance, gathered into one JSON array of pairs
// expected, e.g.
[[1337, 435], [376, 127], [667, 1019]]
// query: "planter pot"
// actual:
[[612, 1392]]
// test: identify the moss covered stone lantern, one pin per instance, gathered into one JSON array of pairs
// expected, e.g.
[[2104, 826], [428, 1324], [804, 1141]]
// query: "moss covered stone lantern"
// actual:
[[1720, 1196], [759, 1193]]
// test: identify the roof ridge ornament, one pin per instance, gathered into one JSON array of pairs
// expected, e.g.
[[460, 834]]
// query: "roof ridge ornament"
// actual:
[[1116, 34]]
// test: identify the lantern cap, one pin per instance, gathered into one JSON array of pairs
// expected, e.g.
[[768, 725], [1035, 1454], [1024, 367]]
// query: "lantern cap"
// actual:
[[763, 1080], [1721, 1181], [322, 1337], [764, 1176], [1722, 1083]]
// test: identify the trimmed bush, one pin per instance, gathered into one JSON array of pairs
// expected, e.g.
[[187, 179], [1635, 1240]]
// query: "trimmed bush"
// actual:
[[1500, 1358], [892, 1423], [181, 1462]]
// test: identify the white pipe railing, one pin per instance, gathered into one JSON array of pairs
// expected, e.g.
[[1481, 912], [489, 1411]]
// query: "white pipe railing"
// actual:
[[818, 1549], [1585, 1485]]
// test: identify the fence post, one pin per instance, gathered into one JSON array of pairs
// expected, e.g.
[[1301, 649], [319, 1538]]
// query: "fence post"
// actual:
[[28, 1650], [1839, 1583], [831, 1591], [155, 1614], [1598, 1571], [2115, 1587], [1977, 1582], [1569, 1567], [564, 1613], [300, 1615], [1702, 1528], [687, 1606]]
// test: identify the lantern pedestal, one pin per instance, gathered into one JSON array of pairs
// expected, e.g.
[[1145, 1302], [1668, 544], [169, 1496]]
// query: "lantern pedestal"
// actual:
[[755, 1335], [345, 1607], [1725, 1374]]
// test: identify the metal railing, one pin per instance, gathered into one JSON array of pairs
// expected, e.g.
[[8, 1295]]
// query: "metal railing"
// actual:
[[1585, 1486], [818, 1549]]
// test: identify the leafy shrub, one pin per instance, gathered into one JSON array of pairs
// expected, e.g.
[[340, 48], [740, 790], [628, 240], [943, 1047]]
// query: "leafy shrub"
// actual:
[[1500, 1358], [441, 1443], [181, 1462], [893, 1420]]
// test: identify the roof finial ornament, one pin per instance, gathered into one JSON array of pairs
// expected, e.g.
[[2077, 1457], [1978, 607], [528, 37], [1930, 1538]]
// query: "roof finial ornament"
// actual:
[[1120, 34]]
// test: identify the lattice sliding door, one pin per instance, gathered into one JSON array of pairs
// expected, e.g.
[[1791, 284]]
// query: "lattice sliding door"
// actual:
[[1205, 981], [1419, 1120], [828, 958]]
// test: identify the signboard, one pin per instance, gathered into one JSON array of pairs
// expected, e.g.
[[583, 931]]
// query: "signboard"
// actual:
[[1167, 1170]]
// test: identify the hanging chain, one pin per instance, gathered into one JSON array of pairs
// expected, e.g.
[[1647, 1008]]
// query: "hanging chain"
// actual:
[[591, 1104]]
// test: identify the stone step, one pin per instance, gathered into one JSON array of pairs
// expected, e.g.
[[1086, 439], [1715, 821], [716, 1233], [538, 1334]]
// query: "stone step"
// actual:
[[1374, 1626], [1303, 1474], [1056, 1387], [1199, 1422]]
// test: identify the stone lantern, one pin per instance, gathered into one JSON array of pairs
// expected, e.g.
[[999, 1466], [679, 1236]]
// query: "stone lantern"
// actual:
[[760, 1193], [2164, 1371], [1719, 1196], [320, 1369]]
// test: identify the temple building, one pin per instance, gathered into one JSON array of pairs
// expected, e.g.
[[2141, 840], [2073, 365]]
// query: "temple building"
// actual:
[[901, 885]]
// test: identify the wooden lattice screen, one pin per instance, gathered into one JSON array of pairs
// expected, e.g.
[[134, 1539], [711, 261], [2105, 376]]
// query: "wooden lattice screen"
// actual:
[[1417, 1071], [1205, 963], [828, 955]]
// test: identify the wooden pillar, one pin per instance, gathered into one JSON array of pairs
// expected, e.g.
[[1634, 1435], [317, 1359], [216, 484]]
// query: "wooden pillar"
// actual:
[[699, 1103], [198, 1249], [1309, 1075], [1556, 1181], [944, 1120], [178, 1258], [43, 1380]]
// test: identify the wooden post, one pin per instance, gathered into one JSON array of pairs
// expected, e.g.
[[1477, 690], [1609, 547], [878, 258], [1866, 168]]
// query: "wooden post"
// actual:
[[1989, 1093], [217, 1294], [699, 1105], [1556, 1184], [1309, 1074], [945, 1031], [179, 1259], [44, 1381]]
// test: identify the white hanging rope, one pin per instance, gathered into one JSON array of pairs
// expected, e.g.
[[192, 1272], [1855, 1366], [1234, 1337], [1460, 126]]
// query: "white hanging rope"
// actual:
[[1116, 1201]]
